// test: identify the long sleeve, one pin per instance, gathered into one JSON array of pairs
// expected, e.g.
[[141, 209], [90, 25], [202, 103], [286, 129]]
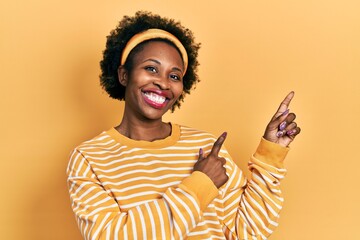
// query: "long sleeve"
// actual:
[[249, 208], [126, 189], [99, 216]]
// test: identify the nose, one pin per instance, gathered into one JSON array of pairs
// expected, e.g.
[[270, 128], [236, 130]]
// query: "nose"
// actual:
[[162, 82]]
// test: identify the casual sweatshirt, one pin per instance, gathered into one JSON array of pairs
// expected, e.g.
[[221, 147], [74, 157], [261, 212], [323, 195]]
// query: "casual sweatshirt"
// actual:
[[126, 189]]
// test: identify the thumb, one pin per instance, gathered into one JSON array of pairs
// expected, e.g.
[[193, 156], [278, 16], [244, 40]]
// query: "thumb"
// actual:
[[201, 155]]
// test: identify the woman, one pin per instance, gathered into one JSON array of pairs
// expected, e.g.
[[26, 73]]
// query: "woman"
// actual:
[[147, 179]]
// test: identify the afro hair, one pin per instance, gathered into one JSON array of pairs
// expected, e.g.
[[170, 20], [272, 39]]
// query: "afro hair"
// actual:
[[128, 27]]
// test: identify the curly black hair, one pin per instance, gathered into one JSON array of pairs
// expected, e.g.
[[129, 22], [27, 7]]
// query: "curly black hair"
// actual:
[[128, 27]]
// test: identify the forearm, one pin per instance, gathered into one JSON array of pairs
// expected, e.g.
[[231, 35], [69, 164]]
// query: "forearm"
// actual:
[[253, 206]]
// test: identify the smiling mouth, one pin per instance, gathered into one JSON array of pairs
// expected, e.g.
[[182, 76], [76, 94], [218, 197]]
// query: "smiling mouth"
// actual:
[[155, 100]]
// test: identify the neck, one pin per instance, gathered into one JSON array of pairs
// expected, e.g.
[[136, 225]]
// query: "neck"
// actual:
[[146, 130]]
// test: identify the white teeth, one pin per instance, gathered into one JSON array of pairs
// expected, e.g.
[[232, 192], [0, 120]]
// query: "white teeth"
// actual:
[[155, 98]]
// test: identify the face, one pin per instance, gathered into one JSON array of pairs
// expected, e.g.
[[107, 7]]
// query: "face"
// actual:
[[155, 81]]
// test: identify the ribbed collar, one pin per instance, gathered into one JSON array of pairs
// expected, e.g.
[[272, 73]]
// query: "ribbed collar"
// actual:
[[166, 142]]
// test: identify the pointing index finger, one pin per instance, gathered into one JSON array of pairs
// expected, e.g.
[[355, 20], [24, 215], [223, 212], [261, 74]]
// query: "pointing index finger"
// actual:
[[218, 144], [285, 104]]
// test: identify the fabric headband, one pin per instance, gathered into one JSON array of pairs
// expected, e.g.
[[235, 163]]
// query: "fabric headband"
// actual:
[[153, 33]]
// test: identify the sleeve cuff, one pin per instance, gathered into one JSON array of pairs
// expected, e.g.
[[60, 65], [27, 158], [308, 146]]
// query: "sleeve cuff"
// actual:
[[271, 153], [200, 185]]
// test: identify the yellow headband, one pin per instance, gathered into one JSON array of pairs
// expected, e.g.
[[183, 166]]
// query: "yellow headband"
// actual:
[[152, 34]]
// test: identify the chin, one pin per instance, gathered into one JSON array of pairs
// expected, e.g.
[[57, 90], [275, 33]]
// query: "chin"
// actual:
[[154, 114]]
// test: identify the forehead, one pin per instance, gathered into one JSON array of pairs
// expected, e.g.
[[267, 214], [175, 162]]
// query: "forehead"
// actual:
[[159, 49]]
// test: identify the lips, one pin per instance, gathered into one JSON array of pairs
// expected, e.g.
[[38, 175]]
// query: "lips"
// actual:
[[155, 98]]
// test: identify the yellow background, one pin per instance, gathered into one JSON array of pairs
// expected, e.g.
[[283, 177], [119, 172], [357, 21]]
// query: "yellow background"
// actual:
[[253, 53]]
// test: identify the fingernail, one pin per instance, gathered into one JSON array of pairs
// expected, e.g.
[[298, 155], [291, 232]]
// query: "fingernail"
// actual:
[[224, 134], [286, 112], [282, 126], [201, 151], [291, 132], [279, 133]]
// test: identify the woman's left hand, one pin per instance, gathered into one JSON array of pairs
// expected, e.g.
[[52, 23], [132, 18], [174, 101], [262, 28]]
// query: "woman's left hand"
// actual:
[[282, 129]]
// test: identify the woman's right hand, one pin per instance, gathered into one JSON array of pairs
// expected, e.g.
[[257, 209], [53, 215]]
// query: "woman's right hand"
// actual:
[[213, 165]]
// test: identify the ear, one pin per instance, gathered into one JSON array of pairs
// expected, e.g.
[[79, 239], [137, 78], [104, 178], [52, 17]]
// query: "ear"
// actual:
[[123, 75]]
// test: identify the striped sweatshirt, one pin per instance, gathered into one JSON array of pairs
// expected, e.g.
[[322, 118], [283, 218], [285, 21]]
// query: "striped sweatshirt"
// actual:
[[126, 189]]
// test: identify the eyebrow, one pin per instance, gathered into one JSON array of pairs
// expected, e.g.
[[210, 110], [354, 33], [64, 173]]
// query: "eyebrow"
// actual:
[[156, 61]]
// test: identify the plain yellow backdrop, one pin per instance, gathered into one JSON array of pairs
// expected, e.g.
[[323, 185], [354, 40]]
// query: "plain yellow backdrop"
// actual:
[[253, 53]]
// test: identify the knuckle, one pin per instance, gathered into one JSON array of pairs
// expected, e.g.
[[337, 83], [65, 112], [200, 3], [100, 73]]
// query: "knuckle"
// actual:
[[292, 116], [221, 160], [291, 126], [217, 145]]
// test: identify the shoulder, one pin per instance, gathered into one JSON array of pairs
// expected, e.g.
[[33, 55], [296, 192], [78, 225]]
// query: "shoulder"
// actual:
[[202, 139], [187, 133], [100, 142], [96, 149]]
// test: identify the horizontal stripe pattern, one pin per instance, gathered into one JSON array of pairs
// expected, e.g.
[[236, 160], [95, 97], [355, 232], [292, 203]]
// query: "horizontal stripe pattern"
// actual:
[[120, 191]]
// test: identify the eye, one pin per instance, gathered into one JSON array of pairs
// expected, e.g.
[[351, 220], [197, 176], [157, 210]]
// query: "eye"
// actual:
[[175, 77], [151, 69]]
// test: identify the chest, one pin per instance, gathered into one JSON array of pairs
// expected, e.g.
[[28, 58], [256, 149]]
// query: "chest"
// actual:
[[135, 180]]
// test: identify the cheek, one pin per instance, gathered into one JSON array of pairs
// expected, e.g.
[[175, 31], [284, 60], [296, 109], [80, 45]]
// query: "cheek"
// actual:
[[179, 89]]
